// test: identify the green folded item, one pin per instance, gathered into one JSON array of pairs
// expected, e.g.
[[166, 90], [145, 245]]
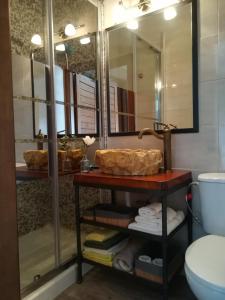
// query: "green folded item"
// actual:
[[107, 244]]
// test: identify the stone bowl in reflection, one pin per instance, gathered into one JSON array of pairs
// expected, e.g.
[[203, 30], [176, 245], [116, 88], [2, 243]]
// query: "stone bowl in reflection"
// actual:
[[75, 156], [128, 161], [38, 159]]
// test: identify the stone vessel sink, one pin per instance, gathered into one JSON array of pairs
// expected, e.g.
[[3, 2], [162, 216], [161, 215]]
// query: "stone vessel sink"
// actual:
[[38, 159], [129, 161]]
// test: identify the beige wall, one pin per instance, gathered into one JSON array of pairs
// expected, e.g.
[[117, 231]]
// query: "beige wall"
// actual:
[[203, 151]]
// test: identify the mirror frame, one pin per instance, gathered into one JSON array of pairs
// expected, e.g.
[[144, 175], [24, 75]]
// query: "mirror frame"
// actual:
[[195, 88]]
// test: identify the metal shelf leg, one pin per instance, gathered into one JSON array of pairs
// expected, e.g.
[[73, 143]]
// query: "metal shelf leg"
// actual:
[[164, 247]]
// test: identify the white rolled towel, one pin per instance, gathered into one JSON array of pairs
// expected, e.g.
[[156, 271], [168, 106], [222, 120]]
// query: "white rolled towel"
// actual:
[[171, 214], [151, 209]]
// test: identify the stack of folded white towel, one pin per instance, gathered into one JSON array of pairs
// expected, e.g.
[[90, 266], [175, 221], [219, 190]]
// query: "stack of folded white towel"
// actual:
[[150, 219]]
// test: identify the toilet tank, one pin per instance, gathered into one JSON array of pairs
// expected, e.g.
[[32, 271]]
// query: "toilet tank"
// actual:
[[212, 199]]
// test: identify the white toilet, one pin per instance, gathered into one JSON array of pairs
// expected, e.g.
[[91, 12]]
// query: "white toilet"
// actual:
[[205, 258]]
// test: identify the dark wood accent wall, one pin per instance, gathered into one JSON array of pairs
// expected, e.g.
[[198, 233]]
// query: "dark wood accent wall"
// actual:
[[9, 262]]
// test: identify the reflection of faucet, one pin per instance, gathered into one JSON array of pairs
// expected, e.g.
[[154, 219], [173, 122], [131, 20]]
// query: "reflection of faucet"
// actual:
[[166, 137], [40, 138]]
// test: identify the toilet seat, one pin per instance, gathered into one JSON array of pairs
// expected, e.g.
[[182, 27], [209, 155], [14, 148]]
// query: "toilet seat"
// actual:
[[205, 267]]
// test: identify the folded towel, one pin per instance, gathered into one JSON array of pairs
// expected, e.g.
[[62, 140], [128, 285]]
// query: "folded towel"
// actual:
[[157, 218], [125, 259], [152, 229], [101, 235], [115, 211], [98, 260], [110, 252], [93, 255], [105, 245], [151, 209]]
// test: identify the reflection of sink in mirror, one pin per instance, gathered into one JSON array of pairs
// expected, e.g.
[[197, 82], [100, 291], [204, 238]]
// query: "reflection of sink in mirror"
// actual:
[[129, 161], [38, 159]]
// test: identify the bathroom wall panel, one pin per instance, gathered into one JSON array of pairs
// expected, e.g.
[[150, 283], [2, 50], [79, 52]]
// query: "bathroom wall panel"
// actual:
[[9, 263]]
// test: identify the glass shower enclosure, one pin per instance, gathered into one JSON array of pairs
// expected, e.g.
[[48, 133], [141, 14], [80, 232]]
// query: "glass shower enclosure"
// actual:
[[54, 66]]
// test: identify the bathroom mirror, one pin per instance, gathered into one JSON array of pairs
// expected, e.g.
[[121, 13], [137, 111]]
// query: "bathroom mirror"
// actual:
[[75, 87], [152, 69]]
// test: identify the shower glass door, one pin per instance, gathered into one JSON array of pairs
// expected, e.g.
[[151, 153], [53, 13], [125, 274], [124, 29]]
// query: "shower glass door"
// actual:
[[30, 61], [54, 66]]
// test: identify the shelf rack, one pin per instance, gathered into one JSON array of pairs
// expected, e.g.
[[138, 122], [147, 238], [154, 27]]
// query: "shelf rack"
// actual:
[[161, 185]]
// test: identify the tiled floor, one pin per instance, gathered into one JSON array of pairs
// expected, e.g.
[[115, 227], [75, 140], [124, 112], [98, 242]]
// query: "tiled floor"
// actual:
[[101, 284]]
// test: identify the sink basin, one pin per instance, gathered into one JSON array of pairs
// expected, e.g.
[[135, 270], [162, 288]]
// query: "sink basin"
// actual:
[[38, 159], [129, 161]]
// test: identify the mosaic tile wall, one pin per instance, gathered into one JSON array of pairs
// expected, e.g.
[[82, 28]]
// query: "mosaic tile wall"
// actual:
[[27, 17], [34, 203]]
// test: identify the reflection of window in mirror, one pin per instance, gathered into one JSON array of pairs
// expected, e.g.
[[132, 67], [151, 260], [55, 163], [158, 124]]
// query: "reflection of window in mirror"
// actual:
[[134, 70]]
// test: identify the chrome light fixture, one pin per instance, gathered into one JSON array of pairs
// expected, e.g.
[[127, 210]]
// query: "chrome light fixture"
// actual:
[[144, 5]]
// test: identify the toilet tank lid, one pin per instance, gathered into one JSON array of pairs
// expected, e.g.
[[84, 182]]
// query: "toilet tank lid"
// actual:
[[212, 177]]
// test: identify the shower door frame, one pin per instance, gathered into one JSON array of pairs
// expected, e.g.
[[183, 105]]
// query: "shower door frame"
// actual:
[[9, 256]]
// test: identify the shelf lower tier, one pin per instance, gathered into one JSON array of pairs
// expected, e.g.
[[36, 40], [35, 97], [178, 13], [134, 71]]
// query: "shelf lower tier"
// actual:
[[136, 232], [91, 262]]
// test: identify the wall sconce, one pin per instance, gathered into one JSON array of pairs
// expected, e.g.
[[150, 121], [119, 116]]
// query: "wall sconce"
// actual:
[[60, 47], [68, 30], [85, 40], [132, 24], [36, 40], [170, 13]]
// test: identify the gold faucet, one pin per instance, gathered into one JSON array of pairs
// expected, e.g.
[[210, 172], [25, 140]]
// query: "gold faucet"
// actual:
[[166, 137]]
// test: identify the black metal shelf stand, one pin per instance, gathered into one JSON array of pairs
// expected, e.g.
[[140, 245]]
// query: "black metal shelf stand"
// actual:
[[164, 239]]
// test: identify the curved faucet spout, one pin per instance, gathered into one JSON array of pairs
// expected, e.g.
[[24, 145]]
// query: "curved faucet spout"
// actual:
[[166, 137], [149, 130]]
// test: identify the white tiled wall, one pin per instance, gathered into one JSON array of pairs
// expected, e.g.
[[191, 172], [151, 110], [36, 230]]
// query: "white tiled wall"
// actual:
[[203, 151]]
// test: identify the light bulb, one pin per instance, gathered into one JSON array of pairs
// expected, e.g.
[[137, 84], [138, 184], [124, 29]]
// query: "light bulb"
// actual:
[[170, 13], [70, 30], [60, 47], [85, 40], [36, 40], [132, 24]]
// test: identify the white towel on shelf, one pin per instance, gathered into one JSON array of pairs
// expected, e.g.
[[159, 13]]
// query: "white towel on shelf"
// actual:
[[171, 214], [158, 230], [151, 209]]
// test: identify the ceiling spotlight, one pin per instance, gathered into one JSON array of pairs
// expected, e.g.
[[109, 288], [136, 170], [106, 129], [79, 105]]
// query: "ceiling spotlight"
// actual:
[[132, 24], [170, 13], [85, 40], [36, 40], [70, 30], [60, 47]]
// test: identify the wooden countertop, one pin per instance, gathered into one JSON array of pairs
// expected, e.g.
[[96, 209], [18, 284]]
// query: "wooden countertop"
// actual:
[[161, 181], [22, 173]]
